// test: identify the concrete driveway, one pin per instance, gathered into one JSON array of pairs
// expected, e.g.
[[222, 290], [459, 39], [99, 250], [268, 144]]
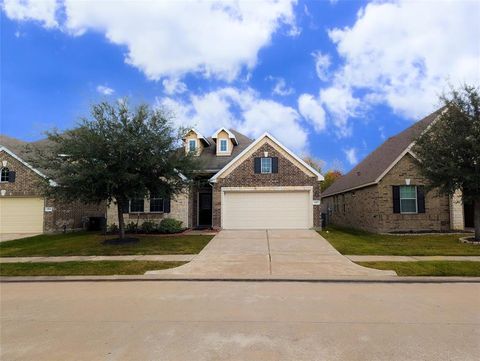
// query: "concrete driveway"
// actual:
[[243, 253]]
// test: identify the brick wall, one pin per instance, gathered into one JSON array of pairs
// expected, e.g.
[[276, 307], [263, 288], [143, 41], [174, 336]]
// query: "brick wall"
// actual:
[[243, 176]]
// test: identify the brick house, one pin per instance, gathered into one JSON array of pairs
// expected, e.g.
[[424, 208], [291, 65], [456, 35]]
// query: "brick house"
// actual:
[[23, 207], [243, 184], [385, 192]]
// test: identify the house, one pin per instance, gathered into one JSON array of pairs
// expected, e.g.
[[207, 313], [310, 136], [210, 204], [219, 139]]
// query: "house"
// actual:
[[243, 184], [385, 192], [23, 207]]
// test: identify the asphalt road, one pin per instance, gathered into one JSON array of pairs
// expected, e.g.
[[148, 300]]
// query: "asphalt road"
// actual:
[[239, 321]]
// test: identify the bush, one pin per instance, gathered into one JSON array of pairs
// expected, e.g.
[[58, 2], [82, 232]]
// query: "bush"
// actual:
[[148, 227], [112, 228], [131, 227], [170, 225]]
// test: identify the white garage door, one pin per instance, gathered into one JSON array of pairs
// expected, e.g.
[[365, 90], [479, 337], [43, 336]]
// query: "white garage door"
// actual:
[[21, 215], [261, 210]]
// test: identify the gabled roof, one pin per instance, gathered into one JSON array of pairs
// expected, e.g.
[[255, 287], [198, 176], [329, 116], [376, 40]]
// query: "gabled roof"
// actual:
[[372, 169], [253, 144], [199, 136], [231, 135]]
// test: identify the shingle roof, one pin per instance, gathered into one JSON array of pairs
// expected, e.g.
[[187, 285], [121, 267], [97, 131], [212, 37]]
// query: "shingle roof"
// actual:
[[372, 167]]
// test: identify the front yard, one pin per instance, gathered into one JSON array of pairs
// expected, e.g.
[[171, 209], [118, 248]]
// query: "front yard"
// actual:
[[429, 268], [93, 244], [356, 242]]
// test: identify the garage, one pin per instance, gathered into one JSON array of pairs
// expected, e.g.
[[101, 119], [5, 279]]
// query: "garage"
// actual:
[[21, 215], [282, 209]]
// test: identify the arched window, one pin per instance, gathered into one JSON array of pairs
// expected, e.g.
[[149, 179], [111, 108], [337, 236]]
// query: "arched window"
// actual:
[[5, 175]]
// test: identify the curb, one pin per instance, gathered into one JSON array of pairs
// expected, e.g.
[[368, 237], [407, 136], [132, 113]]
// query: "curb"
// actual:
[[143, 278]]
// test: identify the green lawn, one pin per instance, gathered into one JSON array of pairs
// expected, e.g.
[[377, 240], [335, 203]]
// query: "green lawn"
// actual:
[[356, 242], [429, 268], [84, 268], [92, 244]]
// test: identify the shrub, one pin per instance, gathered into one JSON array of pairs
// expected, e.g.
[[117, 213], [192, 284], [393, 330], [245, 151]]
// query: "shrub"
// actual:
[[170, 225], [148, 227], [112, 228], [131, 227]]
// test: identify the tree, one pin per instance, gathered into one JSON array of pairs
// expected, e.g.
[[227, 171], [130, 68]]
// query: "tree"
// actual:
[[316, 164], [449, 150], [330, 177], [115, 156]]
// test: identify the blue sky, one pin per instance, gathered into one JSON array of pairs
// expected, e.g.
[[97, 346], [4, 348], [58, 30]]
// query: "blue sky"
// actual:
[[331, 79]]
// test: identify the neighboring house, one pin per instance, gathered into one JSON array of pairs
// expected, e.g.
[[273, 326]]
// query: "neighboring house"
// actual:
[[244, 184], [385, 192], [23, 208]]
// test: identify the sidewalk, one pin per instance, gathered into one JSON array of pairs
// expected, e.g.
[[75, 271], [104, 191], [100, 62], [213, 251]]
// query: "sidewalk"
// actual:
[[161, 258], [369, 258]]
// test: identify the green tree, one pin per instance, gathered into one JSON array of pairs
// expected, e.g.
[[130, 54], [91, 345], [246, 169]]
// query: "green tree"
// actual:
[[449, 150], [116, 155], [330, 177]]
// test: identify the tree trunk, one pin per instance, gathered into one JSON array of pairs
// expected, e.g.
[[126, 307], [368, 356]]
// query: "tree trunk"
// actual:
[[121, 223], [476, 218]]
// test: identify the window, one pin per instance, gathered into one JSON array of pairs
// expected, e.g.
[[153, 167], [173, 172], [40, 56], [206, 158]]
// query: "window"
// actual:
[[136, 205], [5, 175], [192, 145], [408, 199], [156, 204], [223, 145], [266, 165]]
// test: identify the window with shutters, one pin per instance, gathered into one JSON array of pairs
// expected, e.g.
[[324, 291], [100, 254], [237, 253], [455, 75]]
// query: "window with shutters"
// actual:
[[137, 205], [5, 175], [266, 165], [156, 204], [408, 199]]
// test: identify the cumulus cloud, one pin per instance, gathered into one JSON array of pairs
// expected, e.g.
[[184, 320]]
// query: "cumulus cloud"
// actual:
[[322, 64], [312, 111], [402, 54], [174, 86], [351, 155], [105, 90], [241, 109], [42, 11]]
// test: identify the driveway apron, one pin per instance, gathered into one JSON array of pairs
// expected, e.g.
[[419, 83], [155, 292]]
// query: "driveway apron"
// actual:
[[272, 252]]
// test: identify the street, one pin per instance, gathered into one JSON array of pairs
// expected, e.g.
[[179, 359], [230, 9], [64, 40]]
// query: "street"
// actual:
[[239, 321]]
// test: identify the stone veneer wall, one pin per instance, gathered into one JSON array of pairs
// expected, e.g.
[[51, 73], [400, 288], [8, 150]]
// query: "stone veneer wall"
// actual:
[[243, 176], [28, 184], [371, 208]]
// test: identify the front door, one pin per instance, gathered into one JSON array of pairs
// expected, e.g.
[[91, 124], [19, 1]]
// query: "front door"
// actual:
[[205, 209]]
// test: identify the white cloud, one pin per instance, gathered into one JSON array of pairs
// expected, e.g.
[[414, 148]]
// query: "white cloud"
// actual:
[[322, 64], [351, 155], [280, 87], [174, 86], [172, 38], [105, 90], [311, 110], [37, 10], [402, 53], [243, 110], [341, 105]]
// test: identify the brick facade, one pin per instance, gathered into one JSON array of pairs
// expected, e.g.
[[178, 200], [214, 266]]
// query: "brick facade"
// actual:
[[371, 208], [243, 175], [28, 184]]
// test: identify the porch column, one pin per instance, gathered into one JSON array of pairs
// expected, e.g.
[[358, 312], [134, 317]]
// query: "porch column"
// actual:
[[456, 211]]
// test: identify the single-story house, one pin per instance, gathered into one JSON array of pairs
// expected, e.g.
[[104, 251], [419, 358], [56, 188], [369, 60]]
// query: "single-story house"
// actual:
[[385, 192], [243, 184], [23, 207]]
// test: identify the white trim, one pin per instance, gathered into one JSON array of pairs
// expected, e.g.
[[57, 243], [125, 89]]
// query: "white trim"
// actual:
[[272, 189], [220, 146], [196, 145], [253, 144], [261, 165], [9, 152], [230, 135], [199, 135], [416, 199]]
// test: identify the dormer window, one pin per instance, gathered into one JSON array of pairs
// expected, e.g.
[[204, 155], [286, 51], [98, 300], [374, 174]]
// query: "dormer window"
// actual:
[[223, 145], [192, 145]]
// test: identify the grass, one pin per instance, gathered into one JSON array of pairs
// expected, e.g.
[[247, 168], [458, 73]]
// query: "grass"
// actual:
[[86, 268], [92, 244], [429, 268], [356, 242]]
